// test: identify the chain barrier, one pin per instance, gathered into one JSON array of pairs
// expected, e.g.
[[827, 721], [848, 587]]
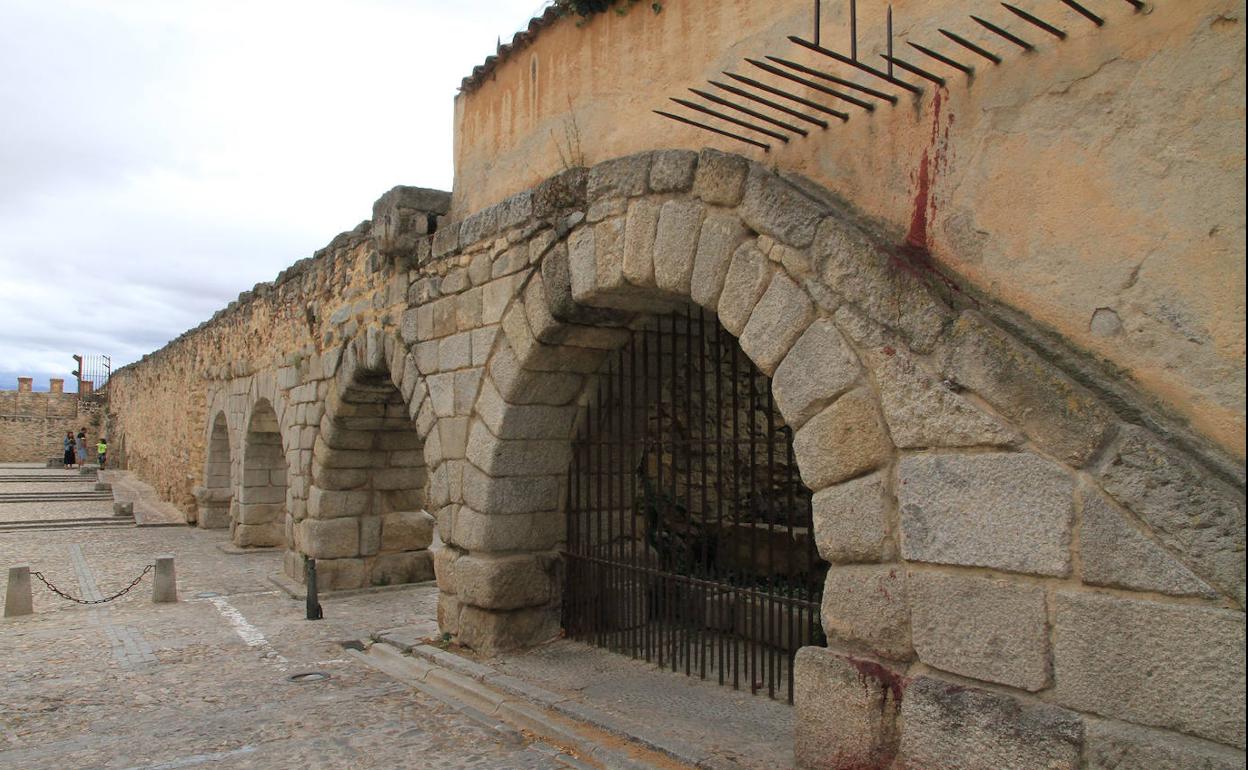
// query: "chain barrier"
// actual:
[[106, 599]]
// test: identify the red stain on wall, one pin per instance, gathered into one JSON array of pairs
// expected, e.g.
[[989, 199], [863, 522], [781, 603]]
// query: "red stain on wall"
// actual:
[[914, 255]]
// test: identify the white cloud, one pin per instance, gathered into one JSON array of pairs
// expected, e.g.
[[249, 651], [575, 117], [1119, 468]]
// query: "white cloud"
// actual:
[[157, 157]]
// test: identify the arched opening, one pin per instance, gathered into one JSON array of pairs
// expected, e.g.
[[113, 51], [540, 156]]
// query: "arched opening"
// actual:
[[262, 501], [689, 534], [218, 491], [366, 523]]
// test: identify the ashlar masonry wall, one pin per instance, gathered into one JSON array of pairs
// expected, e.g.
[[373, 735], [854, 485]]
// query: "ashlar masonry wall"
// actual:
[[33, 423], [1023, 571]]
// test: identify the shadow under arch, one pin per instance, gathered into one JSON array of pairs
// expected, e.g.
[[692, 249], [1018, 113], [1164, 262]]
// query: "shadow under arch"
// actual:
[[262, 493], [366, 522], [216, 496], [502, 574]]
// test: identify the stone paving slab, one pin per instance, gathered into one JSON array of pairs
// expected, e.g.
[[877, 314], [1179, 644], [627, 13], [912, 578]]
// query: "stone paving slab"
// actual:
[[682, 717], [132, 684], [149, 509]]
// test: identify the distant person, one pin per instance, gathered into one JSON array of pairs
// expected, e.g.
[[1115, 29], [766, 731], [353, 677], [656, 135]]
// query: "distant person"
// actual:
[[81, 447], [101, 449], [68, 445]]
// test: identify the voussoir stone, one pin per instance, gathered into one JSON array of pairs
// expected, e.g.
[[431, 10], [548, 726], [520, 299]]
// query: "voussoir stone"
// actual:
[[1009, 511], [850, 521], [1180, 667], [950, 726], [672, 170], [722, 232], [845, 710], [870, 277], [639, 230], [779, 318], [749, 272], [819, 367], [776, 208], [676, 243], [984, 628], [1201, 518], [844, 440], [625, 176], [720, 178]]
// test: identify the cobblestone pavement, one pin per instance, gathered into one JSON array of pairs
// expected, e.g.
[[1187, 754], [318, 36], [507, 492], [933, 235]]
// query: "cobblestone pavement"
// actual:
[[206, 682]]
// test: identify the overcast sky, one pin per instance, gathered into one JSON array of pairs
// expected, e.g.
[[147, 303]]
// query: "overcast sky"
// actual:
[[159, 156]]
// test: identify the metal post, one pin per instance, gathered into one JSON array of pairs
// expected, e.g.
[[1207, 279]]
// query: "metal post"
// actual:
[[313, 605], [17, 599], [165, 586]]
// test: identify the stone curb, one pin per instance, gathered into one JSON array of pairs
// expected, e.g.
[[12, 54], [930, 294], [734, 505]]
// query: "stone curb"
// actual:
[[475, 699], [295, 591], [568, 707]]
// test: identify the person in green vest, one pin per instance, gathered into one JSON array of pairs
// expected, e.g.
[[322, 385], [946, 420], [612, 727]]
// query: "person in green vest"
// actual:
[[101, 449]]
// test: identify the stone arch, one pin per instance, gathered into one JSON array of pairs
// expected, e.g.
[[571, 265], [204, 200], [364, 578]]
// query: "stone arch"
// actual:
[[366, 522], [565, 318], [954, 465], [265, 476], [216, 496]]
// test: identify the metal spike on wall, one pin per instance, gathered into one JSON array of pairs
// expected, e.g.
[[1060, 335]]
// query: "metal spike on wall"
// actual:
[[814, 86]]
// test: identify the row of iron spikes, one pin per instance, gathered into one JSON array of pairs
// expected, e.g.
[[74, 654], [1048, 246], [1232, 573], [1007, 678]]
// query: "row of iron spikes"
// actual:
[[853, 61], [1001, 32]]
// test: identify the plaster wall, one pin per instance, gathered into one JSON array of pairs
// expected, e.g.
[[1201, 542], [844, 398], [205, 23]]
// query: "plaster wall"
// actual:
[[1096, 185]]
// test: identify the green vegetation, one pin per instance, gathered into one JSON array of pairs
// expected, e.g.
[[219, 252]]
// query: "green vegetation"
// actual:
[[587, 8]]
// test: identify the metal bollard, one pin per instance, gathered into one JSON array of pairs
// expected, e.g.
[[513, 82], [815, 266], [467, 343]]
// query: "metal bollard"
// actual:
[[165, 586], [313, 605], [17, 599]]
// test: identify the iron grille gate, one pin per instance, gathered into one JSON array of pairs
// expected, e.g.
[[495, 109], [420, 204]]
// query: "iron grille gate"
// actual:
[[689, 531]]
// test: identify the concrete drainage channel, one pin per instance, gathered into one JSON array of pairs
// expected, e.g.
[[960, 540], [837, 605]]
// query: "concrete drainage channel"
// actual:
[[514, 708]]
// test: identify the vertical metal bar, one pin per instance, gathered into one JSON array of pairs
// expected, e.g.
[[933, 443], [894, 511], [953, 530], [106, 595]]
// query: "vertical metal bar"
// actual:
[[673, 426], [643, 464], [853, 29], [718, 376], [635, 380], [794, 573], [690, 613], [890, 41], [738, 608], [569, 592], [658, 493], [818, 19], [771, 634], [712, 573], [613, 604], [753, 467], [627, 492], [602, 462]]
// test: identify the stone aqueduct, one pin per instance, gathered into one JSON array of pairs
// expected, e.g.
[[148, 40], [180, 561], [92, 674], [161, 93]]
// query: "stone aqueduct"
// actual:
[[1021, 568]]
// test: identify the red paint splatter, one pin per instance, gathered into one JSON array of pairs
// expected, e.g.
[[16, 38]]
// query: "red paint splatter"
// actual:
[[914, 254], [869, 670]]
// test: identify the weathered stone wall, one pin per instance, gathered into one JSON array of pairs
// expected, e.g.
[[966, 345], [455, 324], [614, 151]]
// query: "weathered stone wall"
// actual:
[[1095, 183], [34, 423], [1024, 571]]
